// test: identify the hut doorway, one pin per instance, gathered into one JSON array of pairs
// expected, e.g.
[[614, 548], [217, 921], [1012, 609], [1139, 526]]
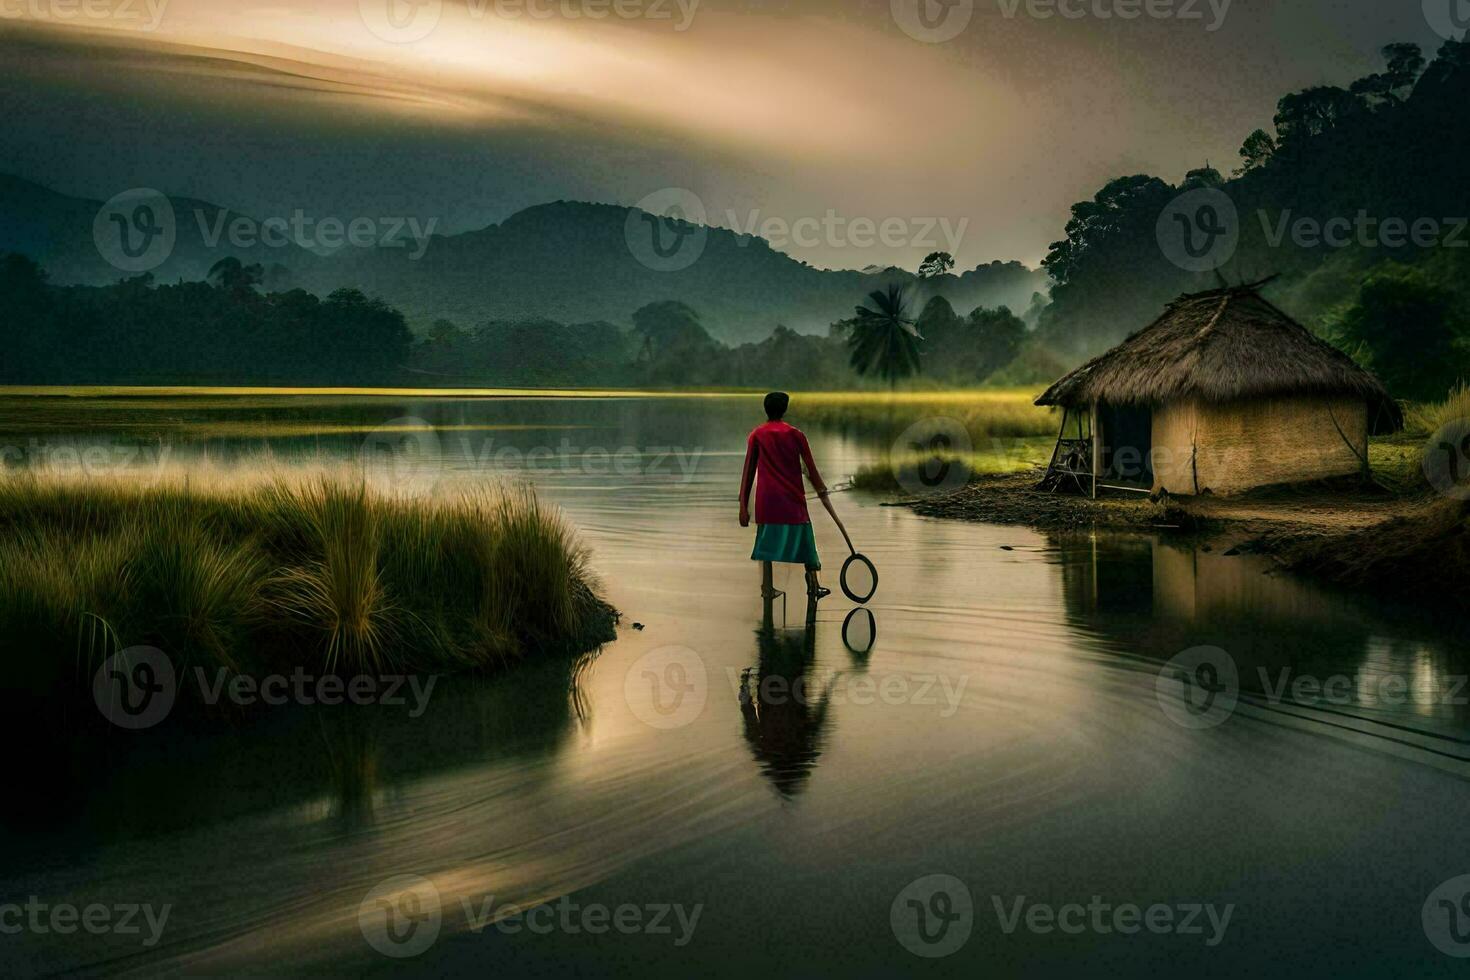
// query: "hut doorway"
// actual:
[[1126, 434]]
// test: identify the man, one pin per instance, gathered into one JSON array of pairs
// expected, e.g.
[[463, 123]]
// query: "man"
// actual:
[[776, 451]]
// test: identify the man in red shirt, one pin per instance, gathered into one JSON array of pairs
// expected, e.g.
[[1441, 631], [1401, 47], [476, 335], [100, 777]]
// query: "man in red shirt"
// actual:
[[776, 451]]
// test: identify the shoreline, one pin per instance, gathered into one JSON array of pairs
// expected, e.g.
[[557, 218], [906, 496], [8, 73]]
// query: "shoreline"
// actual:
[[1344, 533]]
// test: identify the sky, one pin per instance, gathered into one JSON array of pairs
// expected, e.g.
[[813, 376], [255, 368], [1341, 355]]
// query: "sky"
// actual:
[[850, 132]]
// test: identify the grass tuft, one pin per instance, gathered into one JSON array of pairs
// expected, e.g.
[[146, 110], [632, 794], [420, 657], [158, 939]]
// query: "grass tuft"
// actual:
[[317, 572], [1427, 418]]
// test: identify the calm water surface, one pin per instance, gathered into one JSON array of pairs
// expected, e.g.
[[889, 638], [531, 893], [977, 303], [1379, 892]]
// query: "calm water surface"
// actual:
[[1006, 728]]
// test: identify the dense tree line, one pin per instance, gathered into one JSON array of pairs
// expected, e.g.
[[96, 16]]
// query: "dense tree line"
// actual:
[[1391, 146], [668, 345], [227, 331], [219, 332]]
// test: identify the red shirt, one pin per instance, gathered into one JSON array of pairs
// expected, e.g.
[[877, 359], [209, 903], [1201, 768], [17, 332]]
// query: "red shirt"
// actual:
[[776, 451]]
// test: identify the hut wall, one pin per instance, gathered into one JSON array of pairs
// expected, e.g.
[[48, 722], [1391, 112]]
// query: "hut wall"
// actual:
[[1176, 433], [1234, 446]]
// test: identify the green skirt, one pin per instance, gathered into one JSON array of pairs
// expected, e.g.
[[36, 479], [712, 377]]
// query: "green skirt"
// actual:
[[793, 543]]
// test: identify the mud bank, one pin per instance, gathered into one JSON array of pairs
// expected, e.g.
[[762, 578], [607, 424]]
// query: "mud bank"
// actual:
[[1359, 536]]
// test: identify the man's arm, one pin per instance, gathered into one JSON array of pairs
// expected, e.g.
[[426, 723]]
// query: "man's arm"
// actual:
[[811, 466], [747, 478], [816, 478]]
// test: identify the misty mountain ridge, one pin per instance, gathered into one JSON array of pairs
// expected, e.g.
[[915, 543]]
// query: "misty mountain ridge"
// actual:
[[565, 261]]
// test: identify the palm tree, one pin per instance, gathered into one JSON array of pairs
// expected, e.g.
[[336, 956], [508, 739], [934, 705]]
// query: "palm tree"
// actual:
[[883, 339]]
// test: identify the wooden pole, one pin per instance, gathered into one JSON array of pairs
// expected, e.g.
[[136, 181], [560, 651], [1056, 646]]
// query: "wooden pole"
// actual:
[[1096, 448]]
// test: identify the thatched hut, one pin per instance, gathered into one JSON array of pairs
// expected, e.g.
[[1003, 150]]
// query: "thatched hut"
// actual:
[[1221, 393]]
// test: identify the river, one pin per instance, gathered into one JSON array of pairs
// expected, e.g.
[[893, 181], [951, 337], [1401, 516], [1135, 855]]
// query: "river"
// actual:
[[1004, 780]]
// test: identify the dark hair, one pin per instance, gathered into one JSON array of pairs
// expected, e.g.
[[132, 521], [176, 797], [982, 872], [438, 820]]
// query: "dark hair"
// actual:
[[776, 403]]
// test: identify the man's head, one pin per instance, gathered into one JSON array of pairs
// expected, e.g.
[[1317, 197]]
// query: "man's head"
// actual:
[[776, 403]]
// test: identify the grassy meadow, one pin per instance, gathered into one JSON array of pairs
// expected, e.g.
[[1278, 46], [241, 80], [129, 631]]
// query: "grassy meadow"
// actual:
[[987, 413], [269, 574], [1007, 431]]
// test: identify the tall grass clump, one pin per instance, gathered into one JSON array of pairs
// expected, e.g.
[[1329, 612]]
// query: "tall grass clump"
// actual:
[[315, 572], [334, 589], [1427, 418]]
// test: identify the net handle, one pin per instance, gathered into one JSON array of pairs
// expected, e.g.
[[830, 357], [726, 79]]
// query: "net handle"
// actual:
[[827, 503]]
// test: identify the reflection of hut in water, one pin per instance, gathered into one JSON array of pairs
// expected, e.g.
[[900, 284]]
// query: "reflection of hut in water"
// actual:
[[1156, 597], [1223, 392]]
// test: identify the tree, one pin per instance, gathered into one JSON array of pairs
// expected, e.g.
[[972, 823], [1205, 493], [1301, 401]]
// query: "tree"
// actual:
[[939, 324], [841, 329], [884, 340], [669, 324], [1206, 176], [1412, 331], [1405, 62], [998, 335], [935, 264], [24, 328], [946, 341], [1109, 274], [673, 345], [1445, 83], [1257, 150], [445, 336], [365, 339], [1310, 113], [1121, 214]]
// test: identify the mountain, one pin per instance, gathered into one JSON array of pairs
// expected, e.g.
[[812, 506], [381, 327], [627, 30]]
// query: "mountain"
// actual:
[[569, 262], [77, 243], [573, 262]]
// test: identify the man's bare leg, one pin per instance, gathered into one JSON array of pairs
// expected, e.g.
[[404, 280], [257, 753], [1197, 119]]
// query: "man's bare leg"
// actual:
[[814, 585], [768, 589]]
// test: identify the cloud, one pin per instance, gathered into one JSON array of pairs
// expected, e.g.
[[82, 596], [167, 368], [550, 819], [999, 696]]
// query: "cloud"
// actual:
[[807, 92]]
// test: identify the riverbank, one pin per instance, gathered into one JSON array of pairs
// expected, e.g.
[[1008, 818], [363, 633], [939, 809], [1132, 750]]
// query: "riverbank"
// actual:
[[1392, 536], [1013, 498], [315, 573]]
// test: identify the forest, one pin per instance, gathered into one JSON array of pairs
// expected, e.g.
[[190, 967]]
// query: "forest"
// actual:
[[1357, 203], [1355, 207]]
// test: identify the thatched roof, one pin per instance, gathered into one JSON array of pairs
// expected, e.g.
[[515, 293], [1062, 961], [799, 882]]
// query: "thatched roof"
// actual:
[[1218, 346]]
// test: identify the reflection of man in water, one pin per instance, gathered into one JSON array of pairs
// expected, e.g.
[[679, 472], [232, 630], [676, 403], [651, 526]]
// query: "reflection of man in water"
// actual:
[[776, 451], [785, 715]]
